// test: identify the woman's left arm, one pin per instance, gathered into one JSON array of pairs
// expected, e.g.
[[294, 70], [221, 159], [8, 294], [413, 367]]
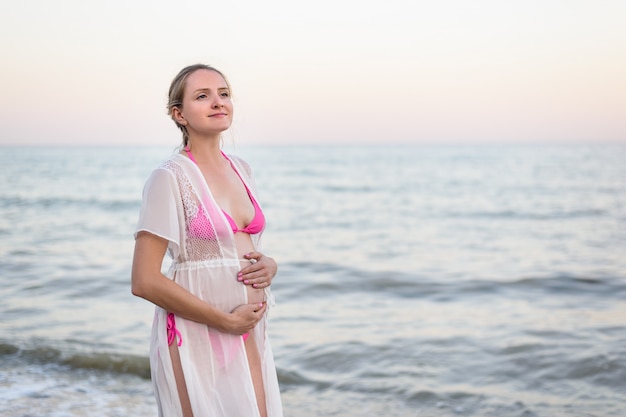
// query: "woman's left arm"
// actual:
[[260, 272]]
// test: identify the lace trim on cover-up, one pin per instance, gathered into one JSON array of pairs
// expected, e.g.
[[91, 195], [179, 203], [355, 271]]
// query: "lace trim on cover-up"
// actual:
[[195, 249]]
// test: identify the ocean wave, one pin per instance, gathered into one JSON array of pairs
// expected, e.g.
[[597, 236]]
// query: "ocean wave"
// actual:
[[546, 363], [410, 371], [336, 188], [328, 279], [111, 204], [98, 361], [522, 215]]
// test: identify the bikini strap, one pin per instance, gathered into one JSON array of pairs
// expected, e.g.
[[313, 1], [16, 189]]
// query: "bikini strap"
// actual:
[[190, 155]]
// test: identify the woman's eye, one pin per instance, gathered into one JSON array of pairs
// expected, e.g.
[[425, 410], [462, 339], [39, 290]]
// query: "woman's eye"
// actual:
[[201, 97], [225, 94]]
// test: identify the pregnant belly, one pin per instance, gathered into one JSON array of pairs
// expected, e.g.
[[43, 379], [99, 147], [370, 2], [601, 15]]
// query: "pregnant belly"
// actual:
[[255, 295], [244, 245]]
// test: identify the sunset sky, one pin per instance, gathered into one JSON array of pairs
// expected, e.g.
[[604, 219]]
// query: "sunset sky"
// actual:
[[449, 71]]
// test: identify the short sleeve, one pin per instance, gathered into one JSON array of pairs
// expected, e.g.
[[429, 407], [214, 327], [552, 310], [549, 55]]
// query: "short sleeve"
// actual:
[[159, 214]]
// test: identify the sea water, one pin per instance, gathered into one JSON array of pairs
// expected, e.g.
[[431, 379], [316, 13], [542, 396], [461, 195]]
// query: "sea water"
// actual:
[[424, 280]]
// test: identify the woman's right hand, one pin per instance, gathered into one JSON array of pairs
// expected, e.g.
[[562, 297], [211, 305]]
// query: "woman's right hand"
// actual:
[[245, 317]]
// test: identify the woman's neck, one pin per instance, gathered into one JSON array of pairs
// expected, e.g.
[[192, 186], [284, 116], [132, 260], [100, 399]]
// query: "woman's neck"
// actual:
[[206, 152]]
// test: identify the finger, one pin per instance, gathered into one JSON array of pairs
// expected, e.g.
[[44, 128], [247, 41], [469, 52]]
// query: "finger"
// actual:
[[252, 278], [253, 255], [262, 308], [268, 264], [255, 265], [254, 281], [250, 269], [260, 282], [258, 307], [255, 275]]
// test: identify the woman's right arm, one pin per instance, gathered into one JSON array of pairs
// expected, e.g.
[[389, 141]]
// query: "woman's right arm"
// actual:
[[148, 282]]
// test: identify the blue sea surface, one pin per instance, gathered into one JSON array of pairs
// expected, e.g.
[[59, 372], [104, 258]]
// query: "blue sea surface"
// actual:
[[424, 280]]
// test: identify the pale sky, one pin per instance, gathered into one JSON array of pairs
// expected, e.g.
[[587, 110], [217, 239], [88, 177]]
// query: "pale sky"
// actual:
[[361, 72]]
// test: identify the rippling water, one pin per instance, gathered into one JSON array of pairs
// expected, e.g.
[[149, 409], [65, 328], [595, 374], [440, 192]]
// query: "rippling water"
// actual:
[[413, 281]]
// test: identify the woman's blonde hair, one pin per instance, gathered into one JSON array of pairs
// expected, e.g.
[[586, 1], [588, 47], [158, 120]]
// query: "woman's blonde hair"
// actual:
[[177, 92]]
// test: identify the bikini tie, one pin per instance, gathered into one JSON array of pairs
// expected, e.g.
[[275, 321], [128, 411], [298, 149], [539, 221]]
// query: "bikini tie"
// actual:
[[172, 331]]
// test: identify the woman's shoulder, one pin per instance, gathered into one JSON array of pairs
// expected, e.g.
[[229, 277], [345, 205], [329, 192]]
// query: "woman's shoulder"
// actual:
[[173, 164], [168, 169]]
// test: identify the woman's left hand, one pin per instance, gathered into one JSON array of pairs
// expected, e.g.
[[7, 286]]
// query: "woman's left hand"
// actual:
[[260, 273]]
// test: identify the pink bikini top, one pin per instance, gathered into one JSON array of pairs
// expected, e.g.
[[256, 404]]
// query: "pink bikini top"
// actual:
[[199, 225]]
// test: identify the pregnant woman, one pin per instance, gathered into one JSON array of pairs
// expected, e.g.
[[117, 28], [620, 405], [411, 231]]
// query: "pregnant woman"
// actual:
[[209, 353]]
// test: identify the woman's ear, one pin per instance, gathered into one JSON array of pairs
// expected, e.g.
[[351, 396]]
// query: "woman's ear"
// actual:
[[178, 117]]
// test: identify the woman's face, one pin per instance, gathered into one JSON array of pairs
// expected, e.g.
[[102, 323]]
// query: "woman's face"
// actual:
[[207, 106]]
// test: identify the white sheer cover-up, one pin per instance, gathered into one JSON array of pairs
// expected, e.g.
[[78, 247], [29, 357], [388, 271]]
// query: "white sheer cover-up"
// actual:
[[214, 364]]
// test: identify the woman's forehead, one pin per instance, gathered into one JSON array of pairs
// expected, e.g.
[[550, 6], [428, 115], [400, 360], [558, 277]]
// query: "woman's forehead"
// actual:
[[205, 79]]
